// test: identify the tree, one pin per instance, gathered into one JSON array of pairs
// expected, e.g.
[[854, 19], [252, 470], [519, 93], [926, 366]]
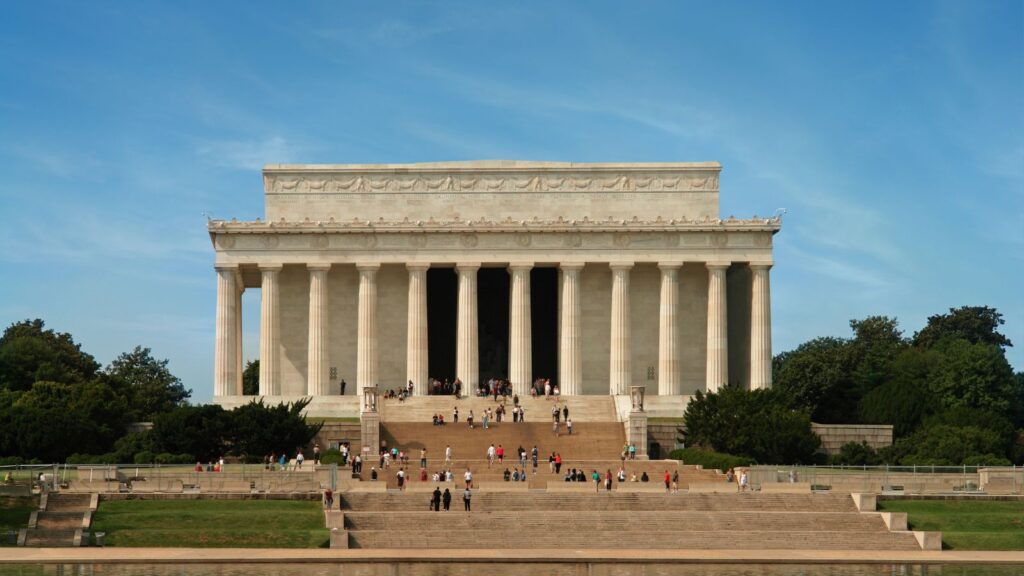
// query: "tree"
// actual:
[[817, 377], [147, 383], [759, 424], [905, 399], [30, 353], [975, 324], [876, 343], [251, 378], [257, 429], [196, 430], [945, 445], [972, 376]]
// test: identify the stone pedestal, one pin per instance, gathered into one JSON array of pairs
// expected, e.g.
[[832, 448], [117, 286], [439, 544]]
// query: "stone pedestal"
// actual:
[[636, 432], [369, 432], [339, 538]]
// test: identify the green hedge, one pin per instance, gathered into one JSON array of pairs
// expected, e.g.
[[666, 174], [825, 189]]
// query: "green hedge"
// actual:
[[332, 456], [709, 459]]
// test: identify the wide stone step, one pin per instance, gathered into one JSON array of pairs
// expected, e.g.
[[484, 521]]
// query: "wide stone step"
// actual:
[[58, 520], [682, 521], [496, 501], [50, 538], [586, 537]]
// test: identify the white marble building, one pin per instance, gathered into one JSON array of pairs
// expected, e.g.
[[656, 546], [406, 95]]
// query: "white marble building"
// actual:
[[598, 276]]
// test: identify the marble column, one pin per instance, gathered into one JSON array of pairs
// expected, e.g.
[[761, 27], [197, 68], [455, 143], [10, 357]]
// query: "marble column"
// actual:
[[270, 331], [718, 327], [520, 356], [366, 341], [239, 358], [467, 349], [570, 337], [668, 330], [619, 372], [760, 328], [416, 338], [318, 379], [225, 377]]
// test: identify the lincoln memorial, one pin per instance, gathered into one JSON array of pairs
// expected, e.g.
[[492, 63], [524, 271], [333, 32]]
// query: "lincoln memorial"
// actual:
[[597, 276]]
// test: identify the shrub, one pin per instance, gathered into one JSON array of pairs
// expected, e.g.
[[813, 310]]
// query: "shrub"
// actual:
[[709, 459], [856, 454], [143, 457], [332, 456]]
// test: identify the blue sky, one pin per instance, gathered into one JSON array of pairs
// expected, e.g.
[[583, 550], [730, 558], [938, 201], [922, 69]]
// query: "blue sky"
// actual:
[[892, 132]]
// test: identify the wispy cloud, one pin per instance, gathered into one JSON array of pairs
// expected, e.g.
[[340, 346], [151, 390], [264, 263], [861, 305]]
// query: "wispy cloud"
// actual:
[[54, 161], [248, 155]]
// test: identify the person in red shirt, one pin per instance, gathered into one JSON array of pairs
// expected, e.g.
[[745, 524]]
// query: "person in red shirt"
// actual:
[[501, 453], [668, 481]]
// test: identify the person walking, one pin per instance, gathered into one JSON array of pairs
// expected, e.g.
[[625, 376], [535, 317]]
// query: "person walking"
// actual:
[[490, 455], [455, 415], [558, 463], [568, 426], [596, 477], [467, 497], [328, 498], [468, 477], [401, 479], [448, 455], [565, 413], [533, 455], [435, 501], [423, 457], [469, 419], [668, 482], [744, 481], [446, 499]]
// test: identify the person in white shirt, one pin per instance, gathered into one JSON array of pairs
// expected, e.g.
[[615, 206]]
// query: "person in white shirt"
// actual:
[[468, 477], [490, 456], [448, 455]]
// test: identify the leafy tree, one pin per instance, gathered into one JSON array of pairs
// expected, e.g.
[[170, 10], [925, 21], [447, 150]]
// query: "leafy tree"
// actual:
[[973, 376], [876, 343], [148, 384], [54, 420], [945, 445], [905, 399], [196, 430], [251, 378], [975, 324], [817, 376], [759, 424], [257, 429], [30, 353]]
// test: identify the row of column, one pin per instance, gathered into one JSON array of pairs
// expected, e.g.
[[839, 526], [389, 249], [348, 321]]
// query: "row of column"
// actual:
[[228, 354]]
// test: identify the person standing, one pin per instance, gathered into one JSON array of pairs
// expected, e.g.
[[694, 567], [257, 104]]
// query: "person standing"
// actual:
[[558, 463], [533, 454], [316, 454], [435, 502], [401, 478], [675, 481], [744, 481], [447, 455], [455, 415], [446, 498], [343, 386], [467, 497], [568, 426], [328, 498], [490, 455], [423, 457], [468, 477], [668, 482], [565, 413]]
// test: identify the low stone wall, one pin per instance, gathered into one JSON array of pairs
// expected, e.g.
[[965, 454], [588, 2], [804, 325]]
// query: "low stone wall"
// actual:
[[833, 436], [666, 435], [334, 433]]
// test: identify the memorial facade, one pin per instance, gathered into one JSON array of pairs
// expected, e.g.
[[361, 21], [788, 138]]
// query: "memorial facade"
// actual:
[[597, 276]]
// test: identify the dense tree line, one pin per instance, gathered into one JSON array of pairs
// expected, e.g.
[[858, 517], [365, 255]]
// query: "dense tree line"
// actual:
[[58, 404], [949, 392]]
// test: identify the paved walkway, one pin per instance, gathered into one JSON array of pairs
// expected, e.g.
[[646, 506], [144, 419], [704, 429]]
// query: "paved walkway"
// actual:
[[278, 555]]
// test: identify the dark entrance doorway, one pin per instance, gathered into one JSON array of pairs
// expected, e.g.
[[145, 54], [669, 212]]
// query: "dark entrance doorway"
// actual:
[[544, 320], [442, 301], [492, 315]]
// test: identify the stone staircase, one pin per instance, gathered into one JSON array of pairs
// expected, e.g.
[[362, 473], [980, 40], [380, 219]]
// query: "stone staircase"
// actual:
[[60, 521], [422, 408], [619, 521]]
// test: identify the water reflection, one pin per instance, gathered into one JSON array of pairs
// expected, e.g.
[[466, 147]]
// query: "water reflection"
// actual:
[[498, 569]]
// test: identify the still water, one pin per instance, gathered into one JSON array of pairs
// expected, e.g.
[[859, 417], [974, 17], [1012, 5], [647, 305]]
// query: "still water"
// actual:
[[497, 569]]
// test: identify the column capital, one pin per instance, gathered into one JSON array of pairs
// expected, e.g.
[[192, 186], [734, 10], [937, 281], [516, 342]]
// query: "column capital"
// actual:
[[417, 267], [467, 266], [318, 267], [717, 265], [670, 265], [271, 267], [520, 265], [225, 267], [367, 266], [571, 265], [760, 266], [620, 265]]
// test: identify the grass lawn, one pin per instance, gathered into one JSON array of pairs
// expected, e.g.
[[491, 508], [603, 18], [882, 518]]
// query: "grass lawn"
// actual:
[[212, 523], [965, 524], [14, 512]]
